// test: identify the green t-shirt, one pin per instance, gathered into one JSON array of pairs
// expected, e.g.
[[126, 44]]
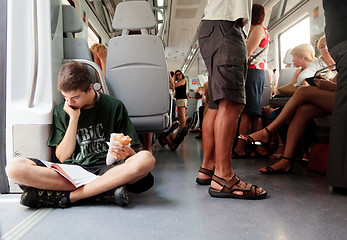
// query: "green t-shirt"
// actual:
[[95, 126]]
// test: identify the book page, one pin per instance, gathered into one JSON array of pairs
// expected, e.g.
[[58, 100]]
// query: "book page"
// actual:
[[74, 173]]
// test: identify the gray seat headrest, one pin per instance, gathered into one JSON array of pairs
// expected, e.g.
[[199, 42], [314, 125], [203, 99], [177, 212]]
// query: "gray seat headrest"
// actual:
[[71, 22], [134, 15]]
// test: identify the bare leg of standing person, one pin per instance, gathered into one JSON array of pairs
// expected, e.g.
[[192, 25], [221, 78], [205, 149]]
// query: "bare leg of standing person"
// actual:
[[225, 125], [208, 148]]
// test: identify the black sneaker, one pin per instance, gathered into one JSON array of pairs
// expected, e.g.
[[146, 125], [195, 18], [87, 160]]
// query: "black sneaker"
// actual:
[[117, 196], [37, 198]]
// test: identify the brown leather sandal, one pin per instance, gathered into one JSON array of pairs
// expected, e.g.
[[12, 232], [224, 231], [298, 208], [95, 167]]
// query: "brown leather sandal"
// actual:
[[207, 172], [249, 191]]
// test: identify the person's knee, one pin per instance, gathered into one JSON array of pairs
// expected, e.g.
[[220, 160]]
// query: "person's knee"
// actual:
[[148, 161], [181, 112], [230, 107], [301, 91], [303, 113], [16, 168]]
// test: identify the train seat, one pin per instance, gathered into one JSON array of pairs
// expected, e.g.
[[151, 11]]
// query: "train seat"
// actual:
[[136, 70], [77, 49], [74, 48], [267, 93], [285, 77]]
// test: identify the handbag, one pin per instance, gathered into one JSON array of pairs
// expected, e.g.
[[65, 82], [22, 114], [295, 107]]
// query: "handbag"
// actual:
[[318, 155], [288, 90]]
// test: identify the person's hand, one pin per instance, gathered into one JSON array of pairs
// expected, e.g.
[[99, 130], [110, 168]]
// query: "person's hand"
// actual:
[[324, 84], [73, 113], [120, 152], [101, 53]]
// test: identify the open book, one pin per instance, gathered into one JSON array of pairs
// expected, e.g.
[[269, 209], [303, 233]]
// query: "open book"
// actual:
[[74, 173]]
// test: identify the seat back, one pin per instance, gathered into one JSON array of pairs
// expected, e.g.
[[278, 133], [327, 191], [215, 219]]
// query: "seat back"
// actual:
[[267, 93], [136, 70], [286, 76], [77, 49], [288, 58], [74, 48]]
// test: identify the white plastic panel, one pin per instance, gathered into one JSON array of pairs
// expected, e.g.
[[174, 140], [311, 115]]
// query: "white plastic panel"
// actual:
[[19, 69]]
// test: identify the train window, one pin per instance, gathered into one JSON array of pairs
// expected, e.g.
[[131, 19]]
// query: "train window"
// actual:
[[290, 39], [290, 4], [160, 3], [93, 36]]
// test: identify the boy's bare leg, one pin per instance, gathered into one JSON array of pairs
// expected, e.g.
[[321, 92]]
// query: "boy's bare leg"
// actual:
[[26, 172], [132, 170]]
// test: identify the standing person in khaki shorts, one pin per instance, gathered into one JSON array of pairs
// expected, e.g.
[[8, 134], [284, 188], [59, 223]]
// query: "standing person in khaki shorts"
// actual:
[[222, 45]]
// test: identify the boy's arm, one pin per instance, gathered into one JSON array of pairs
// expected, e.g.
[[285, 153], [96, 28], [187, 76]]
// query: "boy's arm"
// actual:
[[66, 147]]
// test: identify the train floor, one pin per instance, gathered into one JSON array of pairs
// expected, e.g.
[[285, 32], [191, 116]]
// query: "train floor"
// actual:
[[298, 206]]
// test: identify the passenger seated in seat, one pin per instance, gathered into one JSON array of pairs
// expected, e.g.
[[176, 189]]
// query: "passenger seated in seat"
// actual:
[[81, 127], [303, 56], [307, 103]]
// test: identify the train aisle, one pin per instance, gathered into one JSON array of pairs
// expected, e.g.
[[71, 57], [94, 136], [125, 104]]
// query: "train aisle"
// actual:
[[298, 206]]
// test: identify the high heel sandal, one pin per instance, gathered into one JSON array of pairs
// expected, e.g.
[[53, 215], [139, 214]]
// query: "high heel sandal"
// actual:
[[207, 172], [271, 171], [249, 140]]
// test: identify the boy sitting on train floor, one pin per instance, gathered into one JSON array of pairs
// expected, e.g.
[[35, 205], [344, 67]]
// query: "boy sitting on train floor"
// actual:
[[81, 127]]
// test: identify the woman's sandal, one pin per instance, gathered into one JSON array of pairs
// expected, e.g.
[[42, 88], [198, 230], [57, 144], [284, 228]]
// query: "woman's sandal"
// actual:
[[271, 171], [207, 172], [249, 140], [231, 186]]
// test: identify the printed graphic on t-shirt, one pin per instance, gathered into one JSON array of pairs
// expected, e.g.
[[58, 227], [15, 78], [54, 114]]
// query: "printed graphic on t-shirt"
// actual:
[[91, 140]]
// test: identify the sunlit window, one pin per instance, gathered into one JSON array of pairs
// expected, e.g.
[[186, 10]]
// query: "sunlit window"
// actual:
[[298, 34], [93, 37], [160, 3], [159, 26], [160, 17]]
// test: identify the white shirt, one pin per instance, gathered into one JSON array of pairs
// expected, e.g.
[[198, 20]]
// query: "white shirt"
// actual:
[[229, 10], [311, 70]]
